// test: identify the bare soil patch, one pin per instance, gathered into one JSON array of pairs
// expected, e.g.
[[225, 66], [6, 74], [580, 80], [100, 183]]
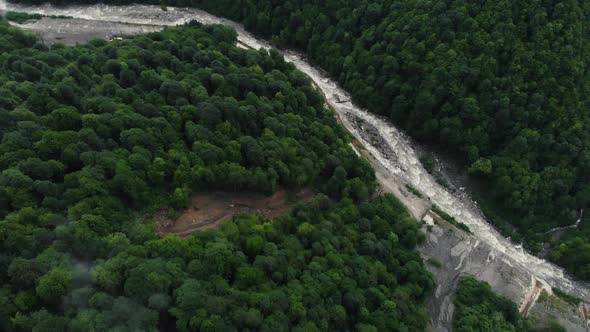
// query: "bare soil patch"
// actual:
[[530, 297], [209, 210]]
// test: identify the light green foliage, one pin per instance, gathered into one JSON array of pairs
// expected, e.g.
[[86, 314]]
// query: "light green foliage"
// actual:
[[54, 285], [481, 167]]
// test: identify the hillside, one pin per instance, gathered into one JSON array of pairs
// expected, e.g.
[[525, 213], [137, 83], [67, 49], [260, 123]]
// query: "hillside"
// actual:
[[501, 85], [98, 136]]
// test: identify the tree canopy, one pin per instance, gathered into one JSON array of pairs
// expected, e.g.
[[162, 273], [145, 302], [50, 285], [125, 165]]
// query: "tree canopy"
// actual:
[[502, 85], [96, 137], [479, 309]]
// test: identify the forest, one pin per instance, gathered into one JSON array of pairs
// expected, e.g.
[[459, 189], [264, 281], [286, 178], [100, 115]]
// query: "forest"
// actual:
[[501, 85], [479, 309], [96, 137]]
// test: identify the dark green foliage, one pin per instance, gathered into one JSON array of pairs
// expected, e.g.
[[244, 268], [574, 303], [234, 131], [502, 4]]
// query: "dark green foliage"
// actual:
[[143, 117], [573, 251], [428, 163], [19, 17], [318, 267], [11, 39], [94, 137], [414, 191], [494, 81], [434, 262], [477, 308], [451, 220], [501, 84]]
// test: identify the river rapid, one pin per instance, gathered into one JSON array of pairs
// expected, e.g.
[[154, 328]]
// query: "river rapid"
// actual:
[[390, 147]]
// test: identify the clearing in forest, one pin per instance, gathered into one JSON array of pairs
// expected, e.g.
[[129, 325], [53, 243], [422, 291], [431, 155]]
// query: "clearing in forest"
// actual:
[[209, 210]]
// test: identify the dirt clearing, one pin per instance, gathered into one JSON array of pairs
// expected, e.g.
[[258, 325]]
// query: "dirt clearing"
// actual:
[[209, 210]]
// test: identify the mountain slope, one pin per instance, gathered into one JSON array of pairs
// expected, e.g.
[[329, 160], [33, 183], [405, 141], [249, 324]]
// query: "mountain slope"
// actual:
[[503, 85], [98, 136]]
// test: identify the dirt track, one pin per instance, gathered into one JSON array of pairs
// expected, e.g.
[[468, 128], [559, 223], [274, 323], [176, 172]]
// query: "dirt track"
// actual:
[[530, 297]]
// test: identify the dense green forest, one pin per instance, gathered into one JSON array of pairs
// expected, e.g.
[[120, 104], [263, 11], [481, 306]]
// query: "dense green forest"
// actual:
[[479, 309], [96, 136], [501, 84]]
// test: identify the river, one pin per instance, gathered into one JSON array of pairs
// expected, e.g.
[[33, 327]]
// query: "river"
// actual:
[[394, 152]]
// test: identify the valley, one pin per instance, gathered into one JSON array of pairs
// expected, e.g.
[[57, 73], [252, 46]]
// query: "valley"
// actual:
[[485, 254]]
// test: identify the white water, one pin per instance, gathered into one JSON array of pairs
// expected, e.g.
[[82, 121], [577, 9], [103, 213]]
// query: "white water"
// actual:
[[575, 225], [398, 157]]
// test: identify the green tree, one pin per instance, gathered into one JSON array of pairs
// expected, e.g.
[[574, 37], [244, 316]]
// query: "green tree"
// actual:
[[52, 286]]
